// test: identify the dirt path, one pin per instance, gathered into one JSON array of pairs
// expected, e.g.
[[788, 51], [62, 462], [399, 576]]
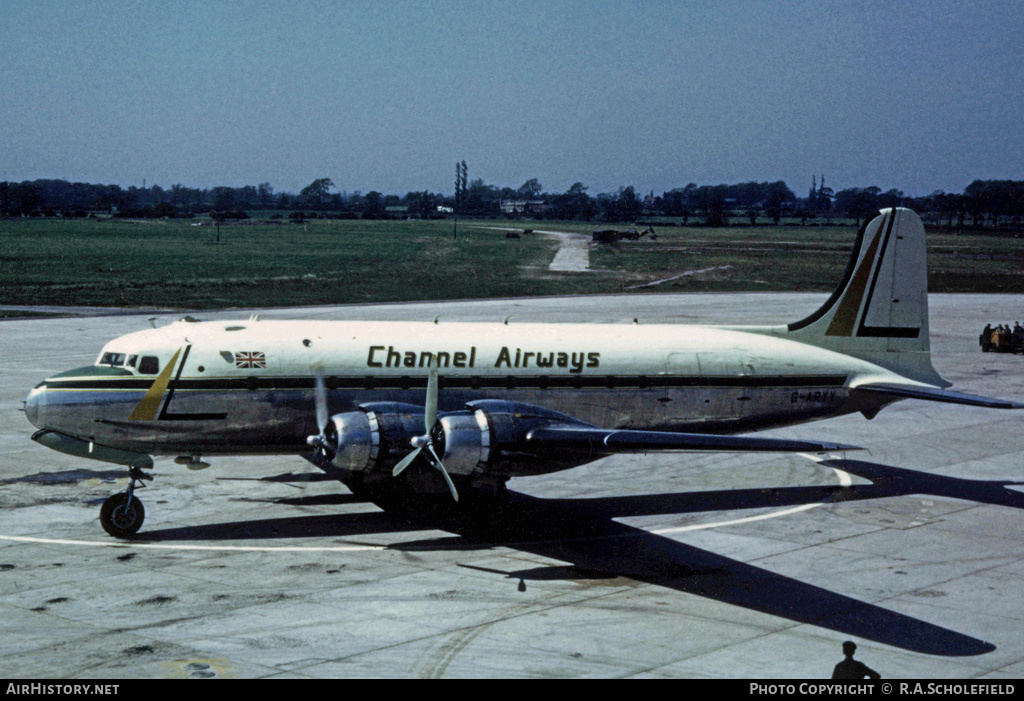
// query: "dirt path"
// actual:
[[573, 255]]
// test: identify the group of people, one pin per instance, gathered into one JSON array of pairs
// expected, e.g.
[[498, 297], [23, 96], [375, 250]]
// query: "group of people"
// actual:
[[1002, 337]]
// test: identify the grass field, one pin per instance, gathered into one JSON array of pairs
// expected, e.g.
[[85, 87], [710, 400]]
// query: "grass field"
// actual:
[[179, 265]]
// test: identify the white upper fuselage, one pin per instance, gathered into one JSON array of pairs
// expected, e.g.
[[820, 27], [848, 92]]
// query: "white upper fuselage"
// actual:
[[397, 348]]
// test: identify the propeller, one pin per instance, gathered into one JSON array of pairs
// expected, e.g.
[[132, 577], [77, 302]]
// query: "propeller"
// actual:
[[319, 441], [426, 441]]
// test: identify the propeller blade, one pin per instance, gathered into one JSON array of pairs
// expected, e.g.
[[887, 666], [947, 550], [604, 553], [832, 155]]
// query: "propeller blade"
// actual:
[[425, 441], [444, 473], [320, 396], [405, 462], [430, 409], [319, 440]]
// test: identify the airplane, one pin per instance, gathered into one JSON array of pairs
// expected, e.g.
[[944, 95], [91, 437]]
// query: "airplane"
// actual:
[[403, 412]]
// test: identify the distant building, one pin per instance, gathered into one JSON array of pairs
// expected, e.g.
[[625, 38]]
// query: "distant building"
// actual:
[[513, 207]]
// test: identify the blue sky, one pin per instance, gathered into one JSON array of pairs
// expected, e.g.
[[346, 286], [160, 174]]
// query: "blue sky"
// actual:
[[389, 95]]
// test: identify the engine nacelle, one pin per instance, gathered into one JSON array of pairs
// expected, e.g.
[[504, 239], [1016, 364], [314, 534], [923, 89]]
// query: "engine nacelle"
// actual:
[[511, 454], [354, 439], [466, 439], [364, 440]]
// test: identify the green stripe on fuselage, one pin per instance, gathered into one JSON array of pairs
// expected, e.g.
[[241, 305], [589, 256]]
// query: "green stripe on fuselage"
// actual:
[[460, 382]]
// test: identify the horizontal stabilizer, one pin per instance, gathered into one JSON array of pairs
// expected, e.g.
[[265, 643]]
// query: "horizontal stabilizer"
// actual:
[[615, 441], [934, 394]]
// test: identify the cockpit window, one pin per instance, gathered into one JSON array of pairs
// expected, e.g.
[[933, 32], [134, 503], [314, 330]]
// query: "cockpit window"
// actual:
[[131, 360], [115, 360], [149, 365]]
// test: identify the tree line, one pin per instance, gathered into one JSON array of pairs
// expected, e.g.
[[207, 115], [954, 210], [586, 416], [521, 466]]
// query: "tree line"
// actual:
[[994, 203]]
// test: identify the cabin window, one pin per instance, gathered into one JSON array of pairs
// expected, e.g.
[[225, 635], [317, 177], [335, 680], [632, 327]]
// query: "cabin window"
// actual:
[[114, 360], [149, 365]]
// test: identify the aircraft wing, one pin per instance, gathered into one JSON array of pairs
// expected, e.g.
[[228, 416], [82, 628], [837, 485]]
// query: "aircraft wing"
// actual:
[[625, 441], [934, 394]]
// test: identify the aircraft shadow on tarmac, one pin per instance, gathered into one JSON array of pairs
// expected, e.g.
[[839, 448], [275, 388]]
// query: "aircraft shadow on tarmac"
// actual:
[[582, 532]]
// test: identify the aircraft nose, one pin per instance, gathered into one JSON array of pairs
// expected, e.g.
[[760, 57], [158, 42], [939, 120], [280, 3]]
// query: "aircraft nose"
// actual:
[[35, 406]]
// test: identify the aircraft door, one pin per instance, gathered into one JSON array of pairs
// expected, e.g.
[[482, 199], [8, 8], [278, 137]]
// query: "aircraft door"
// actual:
[[721, 365], [678, 405], [682, 364]]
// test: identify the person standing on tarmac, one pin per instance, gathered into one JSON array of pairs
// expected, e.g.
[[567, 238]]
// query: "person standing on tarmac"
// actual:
[[851, 668]]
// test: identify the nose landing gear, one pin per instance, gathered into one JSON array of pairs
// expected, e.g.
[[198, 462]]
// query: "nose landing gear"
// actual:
[[122, 514]]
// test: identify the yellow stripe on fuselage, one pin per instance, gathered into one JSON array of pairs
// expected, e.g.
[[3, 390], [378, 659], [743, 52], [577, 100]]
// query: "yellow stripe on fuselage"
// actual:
[[146, 410]]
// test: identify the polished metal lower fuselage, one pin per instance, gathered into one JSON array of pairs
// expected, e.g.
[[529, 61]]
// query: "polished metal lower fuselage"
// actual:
[[277, 420]]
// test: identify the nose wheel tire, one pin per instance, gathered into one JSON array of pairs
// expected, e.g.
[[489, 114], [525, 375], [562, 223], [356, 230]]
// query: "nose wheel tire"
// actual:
[[122, 515]]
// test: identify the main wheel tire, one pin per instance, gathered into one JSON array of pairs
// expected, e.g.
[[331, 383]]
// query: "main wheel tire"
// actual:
[[121, 519]]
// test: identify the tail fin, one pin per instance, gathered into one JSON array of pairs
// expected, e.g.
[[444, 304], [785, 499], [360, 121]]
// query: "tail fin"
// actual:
[[879, 312]]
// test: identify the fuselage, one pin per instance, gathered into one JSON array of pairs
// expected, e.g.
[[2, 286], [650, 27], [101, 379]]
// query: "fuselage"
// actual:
[[247, 387]]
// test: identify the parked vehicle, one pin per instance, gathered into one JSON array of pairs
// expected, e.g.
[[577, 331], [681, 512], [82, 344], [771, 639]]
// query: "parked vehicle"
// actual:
[[1002, 339]]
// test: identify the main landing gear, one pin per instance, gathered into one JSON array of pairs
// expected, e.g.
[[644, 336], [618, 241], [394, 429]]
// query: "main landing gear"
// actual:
[[122, 514]]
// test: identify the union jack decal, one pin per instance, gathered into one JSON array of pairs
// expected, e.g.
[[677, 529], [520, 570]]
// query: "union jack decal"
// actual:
[[250, 360]]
